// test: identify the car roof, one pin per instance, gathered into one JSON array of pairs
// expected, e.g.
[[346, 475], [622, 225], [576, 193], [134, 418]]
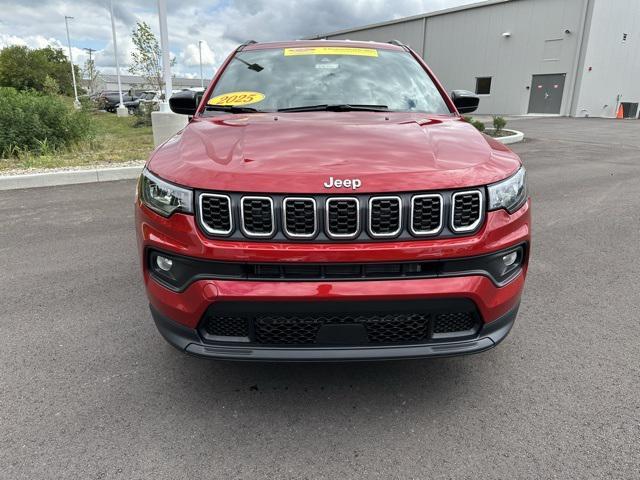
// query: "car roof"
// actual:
[[322, 43]]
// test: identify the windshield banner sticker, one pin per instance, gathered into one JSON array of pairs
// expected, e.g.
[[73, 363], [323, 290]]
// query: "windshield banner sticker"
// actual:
[[363, 52], [236, 98]]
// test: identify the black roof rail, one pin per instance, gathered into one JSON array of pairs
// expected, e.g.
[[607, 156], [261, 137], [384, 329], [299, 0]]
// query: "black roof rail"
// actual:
[[399, 44], [248, 42]]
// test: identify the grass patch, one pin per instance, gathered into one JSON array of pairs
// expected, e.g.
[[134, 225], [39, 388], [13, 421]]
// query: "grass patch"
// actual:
[[116, 141]]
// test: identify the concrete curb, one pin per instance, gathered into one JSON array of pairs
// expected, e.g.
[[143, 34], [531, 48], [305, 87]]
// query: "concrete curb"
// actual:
[[71, 177], [516, 136]]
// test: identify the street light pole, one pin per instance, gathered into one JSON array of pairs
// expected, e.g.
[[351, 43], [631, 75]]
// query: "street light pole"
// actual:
[[121, 111], [76, 102], [166, 62], [164, 123], [200, 51]]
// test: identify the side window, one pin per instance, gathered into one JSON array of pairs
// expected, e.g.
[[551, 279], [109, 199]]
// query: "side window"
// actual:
[[483, 85]]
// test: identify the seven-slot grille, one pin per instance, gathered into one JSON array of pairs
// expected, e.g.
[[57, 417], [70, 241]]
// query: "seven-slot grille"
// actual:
[[466, 213], [257, 216], [343, 217], [323, 218]]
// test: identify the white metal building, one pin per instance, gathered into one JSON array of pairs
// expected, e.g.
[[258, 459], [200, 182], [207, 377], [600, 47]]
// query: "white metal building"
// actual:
[[110, 82], [566, 57]]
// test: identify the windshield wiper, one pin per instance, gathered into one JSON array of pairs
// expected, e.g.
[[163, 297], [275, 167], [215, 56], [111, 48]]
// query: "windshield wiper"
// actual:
[[340, 107], [231, 109], [251, 66]]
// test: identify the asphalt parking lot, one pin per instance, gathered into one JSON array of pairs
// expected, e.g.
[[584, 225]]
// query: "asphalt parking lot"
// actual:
[[88, 388]]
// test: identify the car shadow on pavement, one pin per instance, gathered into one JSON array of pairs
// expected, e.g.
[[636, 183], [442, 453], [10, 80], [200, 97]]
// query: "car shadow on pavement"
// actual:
[[282, 390]]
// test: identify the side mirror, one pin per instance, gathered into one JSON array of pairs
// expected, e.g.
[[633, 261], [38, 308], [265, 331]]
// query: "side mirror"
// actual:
[[465, 101], [185, 102]]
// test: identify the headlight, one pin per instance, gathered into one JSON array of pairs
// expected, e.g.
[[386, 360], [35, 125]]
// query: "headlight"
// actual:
[[509, 194], [163, 197]]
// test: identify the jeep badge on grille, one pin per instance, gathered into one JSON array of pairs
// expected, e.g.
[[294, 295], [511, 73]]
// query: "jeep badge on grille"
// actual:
[[353, 183]]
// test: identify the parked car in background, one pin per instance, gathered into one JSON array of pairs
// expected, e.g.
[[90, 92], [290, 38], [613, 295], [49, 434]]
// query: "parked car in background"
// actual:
[[150, 99], [110, 99]]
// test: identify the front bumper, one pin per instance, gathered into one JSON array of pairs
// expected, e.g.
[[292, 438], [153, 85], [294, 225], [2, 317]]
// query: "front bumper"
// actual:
[[178, 314], [189, 341]]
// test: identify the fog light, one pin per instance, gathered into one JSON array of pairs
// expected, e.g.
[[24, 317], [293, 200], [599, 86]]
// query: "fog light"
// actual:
[[510, 258], [164, 263]]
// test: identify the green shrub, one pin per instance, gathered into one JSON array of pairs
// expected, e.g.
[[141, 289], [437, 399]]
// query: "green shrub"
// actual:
[[478, 124], [87, 104], [41, 124], [499, 123]]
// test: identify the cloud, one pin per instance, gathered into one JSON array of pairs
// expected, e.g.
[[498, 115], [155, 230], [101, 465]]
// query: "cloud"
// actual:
[[220, 24], [190, 56]]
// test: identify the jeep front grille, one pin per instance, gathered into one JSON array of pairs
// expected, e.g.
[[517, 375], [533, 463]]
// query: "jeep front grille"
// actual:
[[467, 211], [257, 216], [300, 217], [385, 216], [325, 218], [343, 217], [215, 214], [426, 214]]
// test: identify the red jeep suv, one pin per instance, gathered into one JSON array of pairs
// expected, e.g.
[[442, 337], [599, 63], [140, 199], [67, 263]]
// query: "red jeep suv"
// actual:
[[327, 202]]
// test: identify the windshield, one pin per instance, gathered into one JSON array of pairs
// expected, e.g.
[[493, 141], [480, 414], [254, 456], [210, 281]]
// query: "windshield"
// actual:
[[276, 79]]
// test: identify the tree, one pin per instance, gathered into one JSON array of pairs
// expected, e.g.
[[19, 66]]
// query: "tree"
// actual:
[[20, 69], [146, 59], [23, 69]]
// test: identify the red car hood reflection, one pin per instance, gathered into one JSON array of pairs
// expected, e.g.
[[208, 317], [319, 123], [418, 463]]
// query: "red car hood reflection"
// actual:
[[299, 152]]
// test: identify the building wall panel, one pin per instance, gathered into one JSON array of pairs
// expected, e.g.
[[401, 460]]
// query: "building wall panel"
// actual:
[[463, 45], [409, 33], [614, 60]]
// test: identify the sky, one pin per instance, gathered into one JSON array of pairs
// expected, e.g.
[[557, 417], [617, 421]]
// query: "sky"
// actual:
[[220, 24]]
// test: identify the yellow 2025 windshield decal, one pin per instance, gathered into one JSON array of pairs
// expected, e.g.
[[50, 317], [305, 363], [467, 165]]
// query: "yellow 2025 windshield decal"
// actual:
[[236, 98], [364, 52]]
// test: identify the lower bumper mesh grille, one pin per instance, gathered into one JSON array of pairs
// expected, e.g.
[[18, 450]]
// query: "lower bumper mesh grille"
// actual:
[[453, 322], [304, 329], [227, 326], [304, 324]]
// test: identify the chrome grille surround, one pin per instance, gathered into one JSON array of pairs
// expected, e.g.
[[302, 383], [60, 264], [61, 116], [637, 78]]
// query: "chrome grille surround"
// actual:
[[472, 227], [315, 217], [341, 236], [243, 226], [370, 217], [434, 231], [204, 223]]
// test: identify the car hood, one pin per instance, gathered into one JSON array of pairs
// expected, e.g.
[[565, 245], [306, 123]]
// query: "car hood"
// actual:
[[299, 152]]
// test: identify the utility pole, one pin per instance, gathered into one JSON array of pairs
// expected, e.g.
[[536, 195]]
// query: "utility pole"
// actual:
[[76, 102], [91, 69], [200, 51], [121, 111]]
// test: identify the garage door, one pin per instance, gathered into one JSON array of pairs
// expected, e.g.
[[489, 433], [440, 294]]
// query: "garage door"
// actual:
[[546, 93]]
